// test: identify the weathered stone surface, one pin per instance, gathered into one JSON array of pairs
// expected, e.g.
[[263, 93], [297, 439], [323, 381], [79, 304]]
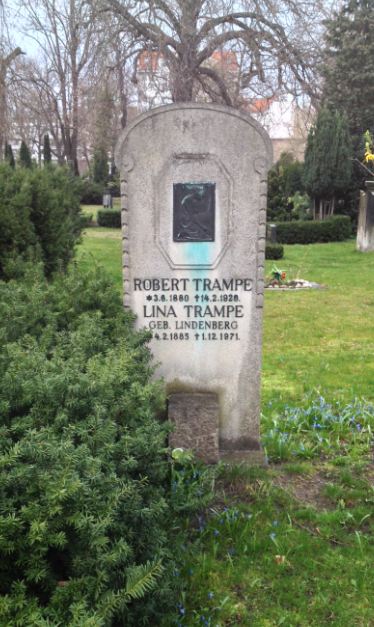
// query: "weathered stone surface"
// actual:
[[195, 418], [365, 230], [196, 279]]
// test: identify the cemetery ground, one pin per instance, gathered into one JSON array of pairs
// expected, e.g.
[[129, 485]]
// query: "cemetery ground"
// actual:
[[292, 543]]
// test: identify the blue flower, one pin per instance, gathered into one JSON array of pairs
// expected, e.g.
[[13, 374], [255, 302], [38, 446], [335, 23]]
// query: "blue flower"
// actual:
[[273, 535], [216, 532], [201, 523], [210, 595], [181, 609]]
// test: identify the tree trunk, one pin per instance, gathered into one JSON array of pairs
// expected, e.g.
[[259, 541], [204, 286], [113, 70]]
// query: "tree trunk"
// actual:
[[183, 78], [5, 63], [122, 89], [74, 88], [333, 204], [2, 113], [184, 72]]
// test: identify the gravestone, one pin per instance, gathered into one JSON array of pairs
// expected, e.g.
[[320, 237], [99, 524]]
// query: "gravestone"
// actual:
[[193, 186], [365, 229]]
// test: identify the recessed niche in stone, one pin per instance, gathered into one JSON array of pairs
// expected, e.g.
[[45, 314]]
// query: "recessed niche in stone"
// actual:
[[194, 212]]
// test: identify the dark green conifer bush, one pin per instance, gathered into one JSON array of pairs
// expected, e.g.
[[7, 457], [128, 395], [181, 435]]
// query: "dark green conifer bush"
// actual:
[[47, 153], [17, 233], [83, 472], [91, 193], [274, 250], [39, 217], [8, 155], [25, 160], [109, 217], [55, 214]]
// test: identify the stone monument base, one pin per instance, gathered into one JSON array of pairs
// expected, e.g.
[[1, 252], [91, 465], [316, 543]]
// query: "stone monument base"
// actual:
[[196, 427], [252, 457], [195, 418]]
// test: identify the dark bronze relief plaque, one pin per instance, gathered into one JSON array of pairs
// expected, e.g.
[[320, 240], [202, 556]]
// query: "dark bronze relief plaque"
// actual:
[[194, 212]]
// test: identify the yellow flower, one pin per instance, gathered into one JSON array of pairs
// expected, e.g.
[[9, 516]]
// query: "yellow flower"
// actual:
[[369, 156]]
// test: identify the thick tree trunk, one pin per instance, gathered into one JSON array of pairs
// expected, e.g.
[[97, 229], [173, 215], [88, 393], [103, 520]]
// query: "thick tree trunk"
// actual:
[[183, 83], [184, 72]]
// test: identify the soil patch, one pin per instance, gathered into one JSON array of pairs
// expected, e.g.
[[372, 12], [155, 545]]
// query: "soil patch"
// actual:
[[307, 489]]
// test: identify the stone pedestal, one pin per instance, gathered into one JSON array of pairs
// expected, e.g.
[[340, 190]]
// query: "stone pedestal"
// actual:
[[365, 229], [196, 419]]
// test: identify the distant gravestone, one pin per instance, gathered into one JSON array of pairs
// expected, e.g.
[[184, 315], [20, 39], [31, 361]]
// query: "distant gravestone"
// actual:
[[365, 229], [193, 185]]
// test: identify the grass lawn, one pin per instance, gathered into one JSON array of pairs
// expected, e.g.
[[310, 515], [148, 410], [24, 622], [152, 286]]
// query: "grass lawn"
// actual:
[[102, 246], [321, 340], [290, 544], [316, 340]]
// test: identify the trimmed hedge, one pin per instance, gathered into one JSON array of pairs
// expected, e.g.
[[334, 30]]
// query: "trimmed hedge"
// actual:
[[274, 251], [335, 229], [110, 218]]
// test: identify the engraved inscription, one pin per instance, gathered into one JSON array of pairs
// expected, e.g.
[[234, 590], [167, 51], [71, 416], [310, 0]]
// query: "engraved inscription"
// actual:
[[195, 309], [194, 212]]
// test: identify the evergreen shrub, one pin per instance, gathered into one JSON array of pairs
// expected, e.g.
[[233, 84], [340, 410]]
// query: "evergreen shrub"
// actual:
[[25, 160], [274, 251], [56, 215], [109, 217], [284, 181], [39, 217], [17, 232], [100, 168], [335, 229], [91, 193], [83, 470], [114, 185]]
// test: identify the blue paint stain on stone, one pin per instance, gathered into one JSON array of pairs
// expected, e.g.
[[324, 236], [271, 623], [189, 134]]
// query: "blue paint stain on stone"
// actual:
[[197, 253]]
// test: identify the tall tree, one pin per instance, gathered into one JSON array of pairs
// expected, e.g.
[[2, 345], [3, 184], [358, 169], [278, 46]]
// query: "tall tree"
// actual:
[[349, 68], [6, 60], [279, 37], [328, 161], [66, 33], [34, 106]]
